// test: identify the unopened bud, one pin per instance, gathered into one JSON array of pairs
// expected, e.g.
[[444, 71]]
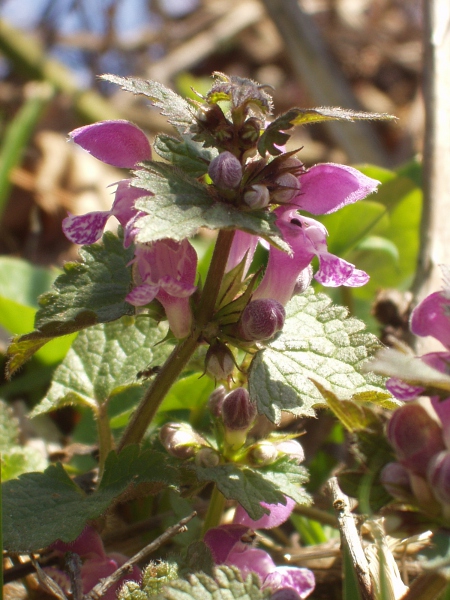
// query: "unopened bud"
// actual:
[[215, 401], [219, 361], [238, 411], [257, 197], [226, 171], [263, 453], [180, 440], [439, 476], [261, 319], [288, 186], [293, 449], [207, 457], [303, 280], [416, 436], [395, 479]]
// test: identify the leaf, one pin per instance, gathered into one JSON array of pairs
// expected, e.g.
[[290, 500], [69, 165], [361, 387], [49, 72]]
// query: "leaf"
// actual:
[[104, 360], [184, 153], [87, 293], [181, 114], [251, 486], [318, 342], [43, 507], [181, 205], [274, 133], [228, 583]]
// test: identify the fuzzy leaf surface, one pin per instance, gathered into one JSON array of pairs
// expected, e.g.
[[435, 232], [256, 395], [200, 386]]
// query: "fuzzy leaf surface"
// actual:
[[227, 584], [179, 112], [104, 360], [320, 342], [251, 486], [42, 507], [181, 205], [89, 292], [274, 134], [184, 153]]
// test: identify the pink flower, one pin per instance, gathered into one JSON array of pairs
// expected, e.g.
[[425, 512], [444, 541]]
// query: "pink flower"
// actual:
[[166, 271], [228, 546], [324, 189], [97, 564], [117, 143]]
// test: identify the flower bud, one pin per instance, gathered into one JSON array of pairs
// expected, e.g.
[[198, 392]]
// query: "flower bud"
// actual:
[[395, 479], [439, 476], [215, 401], [226, 171], [261, 319], [180, 440], [250, 131], [238, 411], [219, 361], [416, 437], [257, 196], [303, 280], [293, 449], [263, 453], [207, 457], [288, 186]]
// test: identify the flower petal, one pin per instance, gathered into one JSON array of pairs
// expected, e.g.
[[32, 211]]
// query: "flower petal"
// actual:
[[279, 513], [117, 143], [243, 243], [142, 294], [85, 229], [335, 271], [221, 540], [251, 560], [179, 289], [431, 317], [328, 187], [401, 390], [301, 580]]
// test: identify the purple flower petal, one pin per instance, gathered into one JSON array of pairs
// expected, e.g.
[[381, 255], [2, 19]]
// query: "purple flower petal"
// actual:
[[279, 513], [432, 317], [301, 580], [118, 143], [251, 560], [401, 390], [221, 540], [88, 543], [335, 271], [85, 229], [142, 294], [243, 243], [179, 289], [123, 206], [328, 187]]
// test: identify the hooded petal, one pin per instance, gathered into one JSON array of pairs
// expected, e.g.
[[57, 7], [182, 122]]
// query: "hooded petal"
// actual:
[[432, 317], [117, 143], [123, 206], [85, 229], [301, 580], [221, 540], [328, 187], [251, 560], [279, 513]]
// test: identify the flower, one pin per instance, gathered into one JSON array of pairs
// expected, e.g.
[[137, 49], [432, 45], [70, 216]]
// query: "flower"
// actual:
[[166, 270], [228, 546], [97, 564], [325, 188], [121, 144]]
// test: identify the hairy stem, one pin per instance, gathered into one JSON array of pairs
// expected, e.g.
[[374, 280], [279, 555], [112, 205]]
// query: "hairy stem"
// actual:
[[215, 510], [172, 368], [105, 440]]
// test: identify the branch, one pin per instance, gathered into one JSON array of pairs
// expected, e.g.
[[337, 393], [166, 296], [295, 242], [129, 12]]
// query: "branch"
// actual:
[[101, 588]]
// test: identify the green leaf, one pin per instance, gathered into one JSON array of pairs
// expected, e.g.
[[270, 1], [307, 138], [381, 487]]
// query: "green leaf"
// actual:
[[318, 342], [43, 507], [227, 584], [104, 360], [181, 114], [184, 153], [251, 486], [181, 205], [274, 134], [87, 293]]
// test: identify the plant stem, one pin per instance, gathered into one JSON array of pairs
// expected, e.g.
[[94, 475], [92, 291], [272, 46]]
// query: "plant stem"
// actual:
[[215, 510], [105, 441], [172, 368]]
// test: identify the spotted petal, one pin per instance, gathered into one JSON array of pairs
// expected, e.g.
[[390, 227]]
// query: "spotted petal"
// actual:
[[85, 229]]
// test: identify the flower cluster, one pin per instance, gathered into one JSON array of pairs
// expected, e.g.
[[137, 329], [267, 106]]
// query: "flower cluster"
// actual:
[[419, 431], [96, 563], [231, 545]]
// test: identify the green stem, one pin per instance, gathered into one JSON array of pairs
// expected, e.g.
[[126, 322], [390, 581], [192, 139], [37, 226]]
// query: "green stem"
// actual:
[[105, 440], [215, 510], [172, 368]]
